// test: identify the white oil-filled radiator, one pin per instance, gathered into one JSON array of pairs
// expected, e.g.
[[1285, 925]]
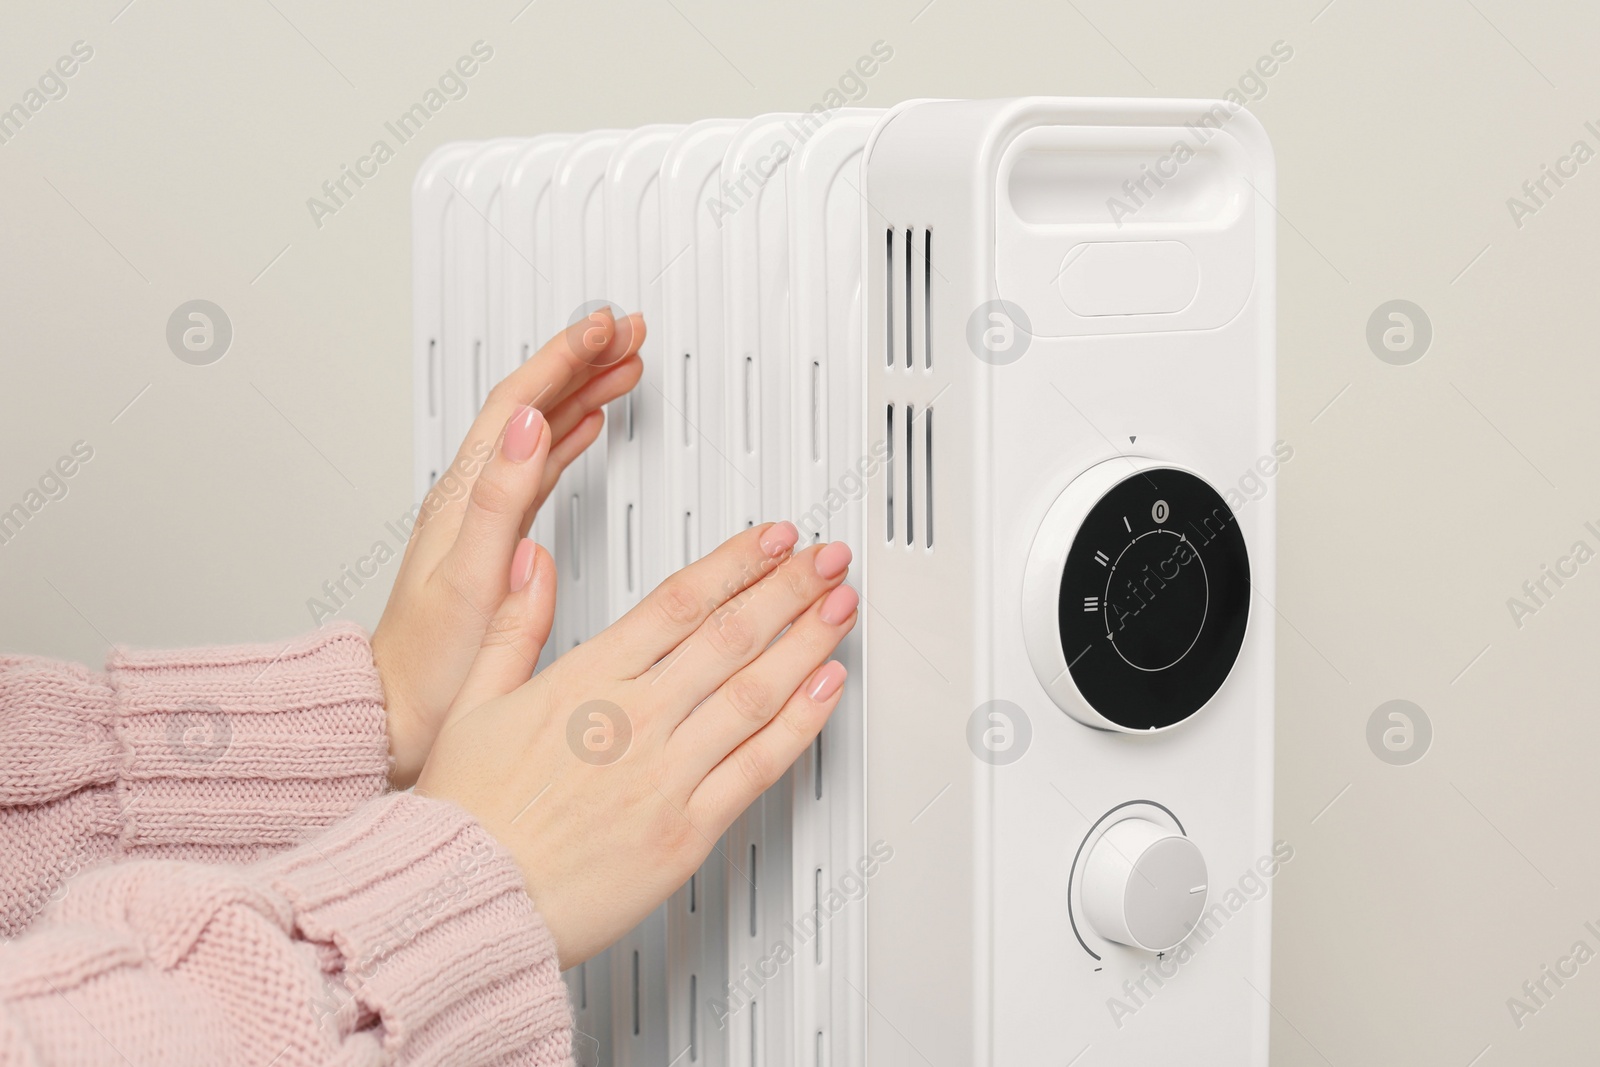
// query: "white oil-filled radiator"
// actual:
[[1019, 354]]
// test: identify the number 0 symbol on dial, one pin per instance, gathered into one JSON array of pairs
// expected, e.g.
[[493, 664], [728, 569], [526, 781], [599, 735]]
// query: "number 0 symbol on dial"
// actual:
[[1160, 511]]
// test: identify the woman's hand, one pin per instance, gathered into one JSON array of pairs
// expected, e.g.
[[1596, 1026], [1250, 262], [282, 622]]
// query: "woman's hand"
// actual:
[[456, 572], [611, 774]]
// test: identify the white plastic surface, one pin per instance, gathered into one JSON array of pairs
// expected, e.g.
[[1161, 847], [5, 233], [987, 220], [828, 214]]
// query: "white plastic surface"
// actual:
[[529, 307], [475, 324], [829, 461], [636, 434], [756, 430], [693, 470], [577, 213], [432, 207], [984, 788]]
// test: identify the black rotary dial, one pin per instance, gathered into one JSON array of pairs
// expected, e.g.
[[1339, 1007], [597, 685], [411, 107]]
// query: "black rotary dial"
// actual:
[[1154, 599]]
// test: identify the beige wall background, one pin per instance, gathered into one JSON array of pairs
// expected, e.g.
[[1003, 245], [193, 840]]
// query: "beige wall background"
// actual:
[[1419, 500]]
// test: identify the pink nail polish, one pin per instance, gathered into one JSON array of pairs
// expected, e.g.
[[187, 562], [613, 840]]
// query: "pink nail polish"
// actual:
[[833, 559], [779, 538], [838, 605], [826, 682], [522, 564], [522, 434]]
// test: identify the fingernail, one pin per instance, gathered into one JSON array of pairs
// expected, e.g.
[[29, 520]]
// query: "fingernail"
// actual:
[[522, 434], [833, 559], [522, 564], [838, 605], [826, 682], [779, 538]]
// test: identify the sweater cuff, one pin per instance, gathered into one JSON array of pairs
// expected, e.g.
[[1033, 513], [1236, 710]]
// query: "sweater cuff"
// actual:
[[234, 752], [434, 933]]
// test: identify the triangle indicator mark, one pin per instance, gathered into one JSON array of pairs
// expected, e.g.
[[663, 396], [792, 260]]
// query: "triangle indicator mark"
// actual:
[[1131, 439]]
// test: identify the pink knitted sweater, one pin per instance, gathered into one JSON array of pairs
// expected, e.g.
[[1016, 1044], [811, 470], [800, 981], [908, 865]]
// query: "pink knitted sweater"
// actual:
[[199, 864]]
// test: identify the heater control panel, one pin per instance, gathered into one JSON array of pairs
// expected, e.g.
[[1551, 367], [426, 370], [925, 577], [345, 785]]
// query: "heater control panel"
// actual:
[[1138, 593]]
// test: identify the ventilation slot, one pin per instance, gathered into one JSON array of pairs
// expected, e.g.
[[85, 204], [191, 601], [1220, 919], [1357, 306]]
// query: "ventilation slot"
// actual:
[[635, 992], [927, 299], [688, 379], [694, 1018], [433, 378], [909, 340], [478, 372], [888, 296], [816, 912], [752, 896], [816, 765], [688, 538], [749, 404], [575, 535], [901, 456], [911, 472], [627, 546], [927, 476], [889, 470], [908, 297], [694, 886], [583, 985], [816, 412]]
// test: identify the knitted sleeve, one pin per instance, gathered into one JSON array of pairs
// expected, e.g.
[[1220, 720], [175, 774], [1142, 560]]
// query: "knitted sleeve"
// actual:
[[220, 755], [402, 935]]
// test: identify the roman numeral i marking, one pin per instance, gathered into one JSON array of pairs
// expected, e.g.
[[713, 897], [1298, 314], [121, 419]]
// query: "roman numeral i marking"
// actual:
[[1091, 603]]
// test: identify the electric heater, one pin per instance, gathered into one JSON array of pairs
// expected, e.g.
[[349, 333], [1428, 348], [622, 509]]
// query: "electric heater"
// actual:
[[1016, 353]]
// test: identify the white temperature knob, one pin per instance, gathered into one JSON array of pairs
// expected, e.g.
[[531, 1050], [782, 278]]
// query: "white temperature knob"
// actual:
[[1144, 885]]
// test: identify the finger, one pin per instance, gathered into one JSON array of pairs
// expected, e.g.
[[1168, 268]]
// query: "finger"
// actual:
[[577, 421], [562, 453], [747, 702], [495, 510], [594, 394], [567, 361], [753, 767], [738, 631], [518, 631], [676, 608], [601, 349]]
